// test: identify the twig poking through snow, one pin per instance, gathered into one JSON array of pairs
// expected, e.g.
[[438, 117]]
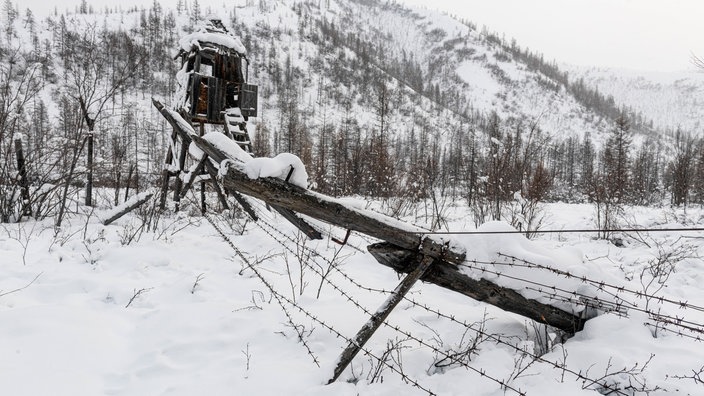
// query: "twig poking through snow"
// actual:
[[195, 284], [21, 288], [136, 294]]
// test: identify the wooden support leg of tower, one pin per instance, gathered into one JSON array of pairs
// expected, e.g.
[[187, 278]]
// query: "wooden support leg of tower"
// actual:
[[165, 174], [179, 182], [203, 207], [380, 316], [200, 168]]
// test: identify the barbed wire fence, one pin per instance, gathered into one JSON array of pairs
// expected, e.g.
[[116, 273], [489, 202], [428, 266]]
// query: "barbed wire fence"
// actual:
[[616, 299]]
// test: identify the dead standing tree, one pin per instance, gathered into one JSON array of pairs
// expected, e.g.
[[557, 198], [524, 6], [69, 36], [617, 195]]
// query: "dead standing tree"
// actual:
[[99, 65], [20, 82]]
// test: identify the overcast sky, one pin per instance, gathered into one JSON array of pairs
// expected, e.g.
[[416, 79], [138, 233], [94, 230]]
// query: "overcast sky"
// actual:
[[655, 35]]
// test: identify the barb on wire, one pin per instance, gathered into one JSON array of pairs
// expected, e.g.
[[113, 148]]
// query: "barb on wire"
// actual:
[[281, 299], [659, 327], [580, 298], [517, 262], [565, 231], [405, 333]]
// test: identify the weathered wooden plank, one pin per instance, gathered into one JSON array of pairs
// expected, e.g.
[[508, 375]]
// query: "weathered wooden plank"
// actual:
[[369, 328], [130, 206], [301, 224], [184, 131], [278, 193], [448, 276]]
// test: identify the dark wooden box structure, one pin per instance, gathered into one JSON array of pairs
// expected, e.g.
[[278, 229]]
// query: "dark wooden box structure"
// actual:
[[217, 78]]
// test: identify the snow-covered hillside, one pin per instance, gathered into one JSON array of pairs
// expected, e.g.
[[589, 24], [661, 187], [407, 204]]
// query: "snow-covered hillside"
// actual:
[[671, 100]]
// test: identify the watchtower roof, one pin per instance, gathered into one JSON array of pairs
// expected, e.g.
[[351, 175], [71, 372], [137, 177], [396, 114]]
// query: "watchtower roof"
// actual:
[[212, 34]]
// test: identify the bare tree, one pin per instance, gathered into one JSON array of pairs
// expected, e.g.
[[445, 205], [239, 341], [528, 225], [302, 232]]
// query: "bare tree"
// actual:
[[20, 83], [100, 64], [681, 169]]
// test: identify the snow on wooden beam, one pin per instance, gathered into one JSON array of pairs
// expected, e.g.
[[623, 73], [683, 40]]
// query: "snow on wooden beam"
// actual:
[[288, 196], [130, 205]]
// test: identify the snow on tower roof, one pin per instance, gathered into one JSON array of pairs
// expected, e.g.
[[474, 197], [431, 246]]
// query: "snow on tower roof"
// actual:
[[202, 35]]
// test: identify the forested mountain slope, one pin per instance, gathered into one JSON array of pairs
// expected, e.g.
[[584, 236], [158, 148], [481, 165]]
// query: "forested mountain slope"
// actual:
[[366, 92], [671, 100]]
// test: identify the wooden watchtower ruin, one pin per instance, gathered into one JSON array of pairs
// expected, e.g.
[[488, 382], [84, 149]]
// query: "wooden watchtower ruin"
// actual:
[[212, 95], [214, 91]]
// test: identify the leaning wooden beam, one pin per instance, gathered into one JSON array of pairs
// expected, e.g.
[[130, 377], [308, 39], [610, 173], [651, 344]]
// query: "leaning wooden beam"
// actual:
[[449, 276], [301, 224], [401, 253], [186, 133], [366, 332], [130, 205], [182, 129], [277, 192]]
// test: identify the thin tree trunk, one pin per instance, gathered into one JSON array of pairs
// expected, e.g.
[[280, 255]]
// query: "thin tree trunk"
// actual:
[[24, 182], [89, 170], [64, 194]]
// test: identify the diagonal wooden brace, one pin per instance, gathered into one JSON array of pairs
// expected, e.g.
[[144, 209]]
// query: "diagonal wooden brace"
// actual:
[[365, 333]]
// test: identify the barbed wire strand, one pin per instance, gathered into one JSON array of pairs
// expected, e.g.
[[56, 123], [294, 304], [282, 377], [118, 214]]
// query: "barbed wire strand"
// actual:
[[268, 286], [445, 354], [564, 231], [422, 342], [680, 322], [281, 298], [599, 283], [397, 328], [584, 301]]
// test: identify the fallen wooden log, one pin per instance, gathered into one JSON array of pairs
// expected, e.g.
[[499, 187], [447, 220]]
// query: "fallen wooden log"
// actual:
[[130, 205], [449, 276]]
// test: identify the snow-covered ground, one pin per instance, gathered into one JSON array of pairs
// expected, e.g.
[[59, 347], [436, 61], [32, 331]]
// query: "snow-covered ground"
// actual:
[[174, 310]]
